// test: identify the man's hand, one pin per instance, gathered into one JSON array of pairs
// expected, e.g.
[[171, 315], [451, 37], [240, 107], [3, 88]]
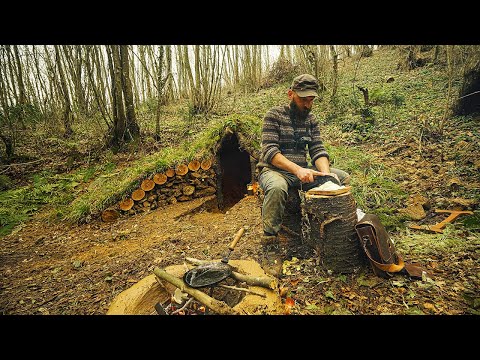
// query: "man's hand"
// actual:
[[335, 176], [306, 175]]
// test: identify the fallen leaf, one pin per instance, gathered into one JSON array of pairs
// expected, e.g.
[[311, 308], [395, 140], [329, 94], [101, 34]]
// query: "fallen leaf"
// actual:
[[429, 306], [283, 291], [294, 282], [289, 304], [329, 294]]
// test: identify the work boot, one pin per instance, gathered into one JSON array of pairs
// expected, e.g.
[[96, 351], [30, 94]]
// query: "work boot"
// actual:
[[269, 239], [272, 259]]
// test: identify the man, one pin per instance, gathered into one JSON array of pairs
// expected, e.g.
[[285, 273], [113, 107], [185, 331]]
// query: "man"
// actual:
[[288, 132]]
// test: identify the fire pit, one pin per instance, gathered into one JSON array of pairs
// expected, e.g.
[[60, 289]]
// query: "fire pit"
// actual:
[[152, 296]]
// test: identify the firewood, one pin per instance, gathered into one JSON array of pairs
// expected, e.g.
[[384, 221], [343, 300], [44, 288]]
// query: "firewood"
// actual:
[[126, 204], [176, 192], [194, 165], [138, 195], [188, 190], [206, 164], [147, 185], [181, 169], [217, 306], [207, 191], [267, 281], [110, 215], [160, 178], [170, 172], [184, 198]]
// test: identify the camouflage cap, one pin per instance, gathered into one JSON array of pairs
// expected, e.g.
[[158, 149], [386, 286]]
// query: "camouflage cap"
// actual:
[[305, 85]]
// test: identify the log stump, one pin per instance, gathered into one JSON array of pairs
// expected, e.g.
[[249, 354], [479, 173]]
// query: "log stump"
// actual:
[[328, 225], [292, 217]]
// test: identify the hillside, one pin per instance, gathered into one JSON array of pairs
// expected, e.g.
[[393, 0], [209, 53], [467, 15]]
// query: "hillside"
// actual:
[[60, 258]]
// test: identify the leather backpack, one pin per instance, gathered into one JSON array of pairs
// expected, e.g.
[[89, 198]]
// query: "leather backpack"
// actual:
[[380, 249]]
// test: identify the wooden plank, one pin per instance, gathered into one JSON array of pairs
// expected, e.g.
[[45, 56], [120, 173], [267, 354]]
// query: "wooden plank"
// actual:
[[329, 192]]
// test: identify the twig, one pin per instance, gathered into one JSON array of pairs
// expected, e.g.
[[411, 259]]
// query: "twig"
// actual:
[[20, 164], [289, 232], [183, 307], [243, 289]]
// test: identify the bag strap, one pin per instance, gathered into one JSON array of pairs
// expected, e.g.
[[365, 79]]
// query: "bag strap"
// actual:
[[385, 267]]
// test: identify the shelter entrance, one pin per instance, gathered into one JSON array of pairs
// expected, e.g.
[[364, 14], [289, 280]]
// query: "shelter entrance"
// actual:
[[234, 172]]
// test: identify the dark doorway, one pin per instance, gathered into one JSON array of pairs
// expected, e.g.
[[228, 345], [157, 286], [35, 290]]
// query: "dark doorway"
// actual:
[[469, 101], [234, 172]]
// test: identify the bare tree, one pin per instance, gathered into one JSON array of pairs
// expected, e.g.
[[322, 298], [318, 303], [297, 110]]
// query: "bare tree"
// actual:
[[125, 124], [334, 56], [67, 108], [127, 89]]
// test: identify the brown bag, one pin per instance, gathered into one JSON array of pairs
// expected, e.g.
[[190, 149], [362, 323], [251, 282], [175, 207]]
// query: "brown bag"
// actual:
[[380, 249]]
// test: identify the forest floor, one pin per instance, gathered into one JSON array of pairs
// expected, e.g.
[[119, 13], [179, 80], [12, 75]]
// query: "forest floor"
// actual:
[[53, 268]]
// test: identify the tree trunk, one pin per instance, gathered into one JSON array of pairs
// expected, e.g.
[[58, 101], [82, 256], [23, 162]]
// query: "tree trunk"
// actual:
[[328, 225], [119, 121], [335, 71], [127, 88], [159, 93], [99, 99], [67, 109]]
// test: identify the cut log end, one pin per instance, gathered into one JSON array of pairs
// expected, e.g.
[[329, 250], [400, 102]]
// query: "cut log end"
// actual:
[[110, 215], [206, 164], [126, 204], [181, 169], [160, 179], [138, 194], [170, 173], [188, 190], [147, 185], [194, 165]]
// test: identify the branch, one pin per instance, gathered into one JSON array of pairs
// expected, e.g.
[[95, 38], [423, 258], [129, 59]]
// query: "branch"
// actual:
[[216, 305], [267, 282]]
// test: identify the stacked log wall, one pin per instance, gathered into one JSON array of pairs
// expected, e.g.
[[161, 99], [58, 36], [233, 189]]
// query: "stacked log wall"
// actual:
[[176, 188]]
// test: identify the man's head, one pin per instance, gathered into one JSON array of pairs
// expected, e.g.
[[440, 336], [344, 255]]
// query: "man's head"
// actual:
[[305, 85], [302, 92]]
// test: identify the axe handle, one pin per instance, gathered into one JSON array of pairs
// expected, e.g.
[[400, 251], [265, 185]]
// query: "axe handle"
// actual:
[[238, 235], [453, 215]]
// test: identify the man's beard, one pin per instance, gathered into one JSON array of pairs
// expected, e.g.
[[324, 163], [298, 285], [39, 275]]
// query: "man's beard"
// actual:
[[296, 112]]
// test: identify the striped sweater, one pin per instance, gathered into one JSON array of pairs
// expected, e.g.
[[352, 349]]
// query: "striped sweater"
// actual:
[[278, 136]]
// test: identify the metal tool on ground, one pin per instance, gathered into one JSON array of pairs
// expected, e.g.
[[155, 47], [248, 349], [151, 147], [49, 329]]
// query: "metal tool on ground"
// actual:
[[439, 226], [214, 272]]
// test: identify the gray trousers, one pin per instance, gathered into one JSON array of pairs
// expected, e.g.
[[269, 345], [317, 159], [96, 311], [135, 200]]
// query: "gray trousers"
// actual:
[[275, 184]]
